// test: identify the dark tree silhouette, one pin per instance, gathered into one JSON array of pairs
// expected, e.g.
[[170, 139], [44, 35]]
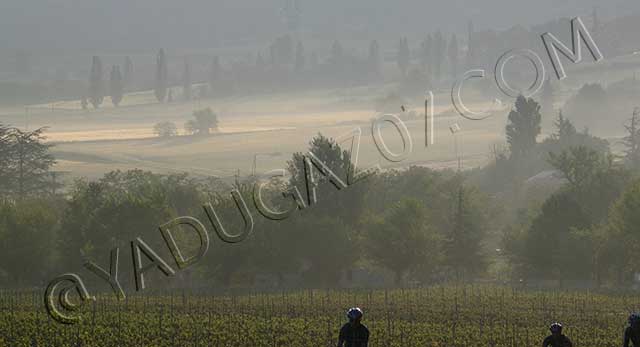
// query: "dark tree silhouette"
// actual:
[[127, 73], [523, 127], [116, 85], [160, 89], [96, 83], [186, 80], [453, 55], [404, 56]]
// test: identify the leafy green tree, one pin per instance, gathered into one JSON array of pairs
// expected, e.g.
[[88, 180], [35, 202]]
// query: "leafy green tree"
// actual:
[[96, 83], [632, 140], [204, 121], [402, 240], [345, 203], [594, 178], [579, 165], [161, 84], [523, 127], [121, 206], [550, 239], [116, 86], [27, 238], [624, 232], [165, 129], [463, 249], [26, 162], [336, 212]]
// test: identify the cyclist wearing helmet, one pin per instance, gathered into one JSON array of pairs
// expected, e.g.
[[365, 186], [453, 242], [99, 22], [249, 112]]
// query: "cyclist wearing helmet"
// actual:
[[632, 332], [354, 333], [556, 339]]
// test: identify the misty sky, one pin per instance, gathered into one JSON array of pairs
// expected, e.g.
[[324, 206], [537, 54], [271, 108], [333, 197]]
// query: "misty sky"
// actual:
[[143, 24]]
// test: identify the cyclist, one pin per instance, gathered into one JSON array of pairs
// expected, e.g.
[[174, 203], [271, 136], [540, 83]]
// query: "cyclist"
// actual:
[[632, 332], [354, 333], [556, 339]]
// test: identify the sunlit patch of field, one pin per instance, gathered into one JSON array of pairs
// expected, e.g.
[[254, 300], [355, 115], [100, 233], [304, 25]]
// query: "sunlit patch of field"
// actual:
[[264, 129]]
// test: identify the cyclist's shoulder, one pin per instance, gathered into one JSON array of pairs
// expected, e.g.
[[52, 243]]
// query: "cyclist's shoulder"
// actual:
[[364, 328]]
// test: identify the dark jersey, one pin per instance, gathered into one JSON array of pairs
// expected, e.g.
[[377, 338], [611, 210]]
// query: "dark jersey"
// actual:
[[632, 335], [557, 341], [353, 336]]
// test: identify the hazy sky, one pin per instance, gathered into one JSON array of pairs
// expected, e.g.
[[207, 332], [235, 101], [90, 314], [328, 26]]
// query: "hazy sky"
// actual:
[[128, 24]]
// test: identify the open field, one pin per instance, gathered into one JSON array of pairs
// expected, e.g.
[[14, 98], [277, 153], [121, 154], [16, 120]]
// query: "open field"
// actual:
[[269, 127], [434, 316]]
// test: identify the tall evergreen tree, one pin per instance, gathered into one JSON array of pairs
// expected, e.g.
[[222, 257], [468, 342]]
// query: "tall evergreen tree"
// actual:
[[404, 56], [116, 86], [127, 73], [523, 127], [337, 53], [463, 245], [453, 55], [440, 45], [470, 57], [26, 161], [162, 73], [632, 140], [96, 83], [374, 58], [215, 75], [426, 52], [186, 80]]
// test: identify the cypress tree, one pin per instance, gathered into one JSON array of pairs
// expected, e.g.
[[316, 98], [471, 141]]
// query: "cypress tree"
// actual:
[[116, 85], [374, 57], [96, 83], [186, 79], [160, 89], [453, 55], [127, 78], [215, 74]]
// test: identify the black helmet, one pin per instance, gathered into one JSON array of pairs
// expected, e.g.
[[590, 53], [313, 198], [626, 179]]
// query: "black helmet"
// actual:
[[354, 313], [556, 327]]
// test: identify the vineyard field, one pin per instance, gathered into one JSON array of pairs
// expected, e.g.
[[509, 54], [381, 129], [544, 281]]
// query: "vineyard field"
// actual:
[[434, 316]]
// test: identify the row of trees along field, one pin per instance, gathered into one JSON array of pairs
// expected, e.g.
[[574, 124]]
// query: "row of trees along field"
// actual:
[[288, 63], [418, 224]]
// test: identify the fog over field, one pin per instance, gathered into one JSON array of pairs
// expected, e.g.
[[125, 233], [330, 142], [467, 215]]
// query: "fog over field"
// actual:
[[319, 173]]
